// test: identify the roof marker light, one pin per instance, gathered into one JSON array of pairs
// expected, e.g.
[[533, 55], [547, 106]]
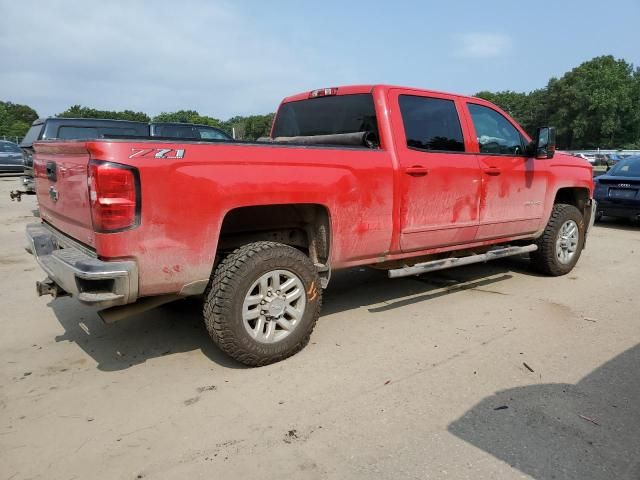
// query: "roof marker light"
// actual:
[[323, 92]]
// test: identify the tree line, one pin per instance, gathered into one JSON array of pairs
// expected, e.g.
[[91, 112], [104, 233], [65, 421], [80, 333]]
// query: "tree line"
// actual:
[[595, 105], [15, 120]]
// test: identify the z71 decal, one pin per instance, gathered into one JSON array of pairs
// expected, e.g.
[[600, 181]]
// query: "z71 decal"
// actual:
[[157, 153]]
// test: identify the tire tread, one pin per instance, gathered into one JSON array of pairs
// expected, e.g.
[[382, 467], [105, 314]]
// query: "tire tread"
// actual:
[[544, 259], [217, 308]]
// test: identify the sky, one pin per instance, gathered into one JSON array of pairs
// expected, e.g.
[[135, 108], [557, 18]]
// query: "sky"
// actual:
[[240, 58]]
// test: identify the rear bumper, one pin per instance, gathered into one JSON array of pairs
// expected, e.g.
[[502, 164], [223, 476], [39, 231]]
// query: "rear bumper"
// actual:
[[77, 272], [622, 210], [10, 167]]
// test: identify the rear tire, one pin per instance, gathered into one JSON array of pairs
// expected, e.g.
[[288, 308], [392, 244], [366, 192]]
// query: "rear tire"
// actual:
[[262, 303], [561, 244]]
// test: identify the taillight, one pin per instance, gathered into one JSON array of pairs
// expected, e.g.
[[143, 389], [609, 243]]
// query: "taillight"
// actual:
[[114, 194]]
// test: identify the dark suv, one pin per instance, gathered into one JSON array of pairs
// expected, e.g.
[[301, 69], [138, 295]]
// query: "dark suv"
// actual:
[[88, 128]]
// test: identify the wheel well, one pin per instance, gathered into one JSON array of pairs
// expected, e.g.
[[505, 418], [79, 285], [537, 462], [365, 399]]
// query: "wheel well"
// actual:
[[578, 197], [304, 226]]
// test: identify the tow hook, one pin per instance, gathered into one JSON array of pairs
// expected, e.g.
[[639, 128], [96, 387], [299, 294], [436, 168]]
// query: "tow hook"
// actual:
[[49, 287], [17, 194]]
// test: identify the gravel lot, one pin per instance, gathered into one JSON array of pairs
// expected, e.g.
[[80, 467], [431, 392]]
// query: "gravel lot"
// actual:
[[487, 371]]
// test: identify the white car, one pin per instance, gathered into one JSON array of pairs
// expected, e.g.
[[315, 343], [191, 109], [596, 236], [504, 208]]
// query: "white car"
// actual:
[[589, 157]]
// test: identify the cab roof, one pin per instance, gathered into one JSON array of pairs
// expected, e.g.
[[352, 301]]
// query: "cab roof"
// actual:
[[359, 89]]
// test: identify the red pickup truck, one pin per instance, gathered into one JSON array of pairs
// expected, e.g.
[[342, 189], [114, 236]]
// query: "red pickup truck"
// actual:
[[404, 179]]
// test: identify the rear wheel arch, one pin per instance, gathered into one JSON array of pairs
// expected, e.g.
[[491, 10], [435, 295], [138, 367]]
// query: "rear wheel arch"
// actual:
[[305, 226]]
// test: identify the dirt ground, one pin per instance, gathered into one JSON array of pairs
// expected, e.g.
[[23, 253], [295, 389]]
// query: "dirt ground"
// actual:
[[482, 372]]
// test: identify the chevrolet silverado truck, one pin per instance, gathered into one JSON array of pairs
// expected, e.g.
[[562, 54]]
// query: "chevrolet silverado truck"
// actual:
[[401, 179]]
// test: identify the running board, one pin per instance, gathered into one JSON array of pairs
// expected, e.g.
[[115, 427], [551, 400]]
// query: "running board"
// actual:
[[434, 265]]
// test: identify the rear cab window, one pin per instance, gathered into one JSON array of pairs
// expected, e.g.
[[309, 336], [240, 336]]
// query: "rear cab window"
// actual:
[[327, 115]]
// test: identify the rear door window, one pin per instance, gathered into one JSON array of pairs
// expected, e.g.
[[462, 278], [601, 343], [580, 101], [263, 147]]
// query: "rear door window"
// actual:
[[177, 131], [212, 134], [431, 124], [129, 132], [77, 133]]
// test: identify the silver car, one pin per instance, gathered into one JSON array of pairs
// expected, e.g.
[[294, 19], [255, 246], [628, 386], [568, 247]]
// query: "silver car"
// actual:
[[10, 157]]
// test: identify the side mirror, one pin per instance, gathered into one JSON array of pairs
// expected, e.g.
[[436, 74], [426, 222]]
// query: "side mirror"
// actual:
[[545, 142]]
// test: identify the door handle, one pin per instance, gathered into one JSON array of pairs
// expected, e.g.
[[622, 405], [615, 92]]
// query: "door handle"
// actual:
[[52, 171], [492, 171], [416, 171]]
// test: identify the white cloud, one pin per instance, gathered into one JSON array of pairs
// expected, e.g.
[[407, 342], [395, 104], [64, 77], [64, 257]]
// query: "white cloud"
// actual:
[[482, 45], [148, 56]]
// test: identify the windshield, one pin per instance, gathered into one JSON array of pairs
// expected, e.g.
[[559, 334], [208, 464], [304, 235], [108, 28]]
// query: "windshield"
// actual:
[[32, 135], [629, 167], [326, 116], [8, 147]]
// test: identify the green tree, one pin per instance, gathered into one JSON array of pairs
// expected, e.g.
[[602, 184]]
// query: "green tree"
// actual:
[[529, 109], [188, 116], [15, 119], [595, 104], [78, 111], [251, 127]]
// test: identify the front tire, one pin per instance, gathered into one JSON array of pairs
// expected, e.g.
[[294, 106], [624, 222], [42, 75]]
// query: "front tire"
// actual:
[[561, 244], [262, 303]]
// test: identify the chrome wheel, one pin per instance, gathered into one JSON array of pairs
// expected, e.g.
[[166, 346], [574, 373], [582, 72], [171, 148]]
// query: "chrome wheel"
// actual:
[[567, 242], [274, 305]]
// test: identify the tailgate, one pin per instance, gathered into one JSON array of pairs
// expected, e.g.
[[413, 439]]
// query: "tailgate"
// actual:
[[60, 170]]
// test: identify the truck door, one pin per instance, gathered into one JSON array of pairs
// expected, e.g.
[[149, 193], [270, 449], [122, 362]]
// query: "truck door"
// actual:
[[439, 181], [513, 184]]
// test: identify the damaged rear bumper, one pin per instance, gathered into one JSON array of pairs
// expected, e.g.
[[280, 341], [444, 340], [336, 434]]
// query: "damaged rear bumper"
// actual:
[[74, 270]]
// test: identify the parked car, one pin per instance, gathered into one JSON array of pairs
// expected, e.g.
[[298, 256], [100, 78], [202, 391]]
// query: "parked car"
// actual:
[[601, 159], [10, 157], [188, 131], [71, 129], [589, 158], [618, 191], [90, 128], [405, 179], [613, 158]]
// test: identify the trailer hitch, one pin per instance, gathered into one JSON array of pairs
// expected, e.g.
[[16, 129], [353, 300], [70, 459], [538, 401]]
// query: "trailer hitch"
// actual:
[[49, 287], [17, 194]]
